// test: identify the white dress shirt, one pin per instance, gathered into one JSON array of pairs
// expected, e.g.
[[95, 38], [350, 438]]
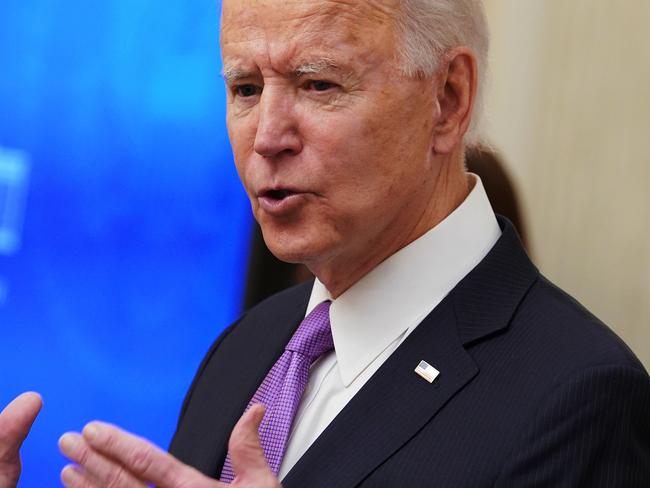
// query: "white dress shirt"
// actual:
[[372, 318]]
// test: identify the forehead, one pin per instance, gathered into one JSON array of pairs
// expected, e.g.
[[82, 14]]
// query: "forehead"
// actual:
[[284, 29]]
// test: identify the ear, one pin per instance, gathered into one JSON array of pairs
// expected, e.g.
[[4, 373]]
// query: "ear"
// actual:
[[456, 91]]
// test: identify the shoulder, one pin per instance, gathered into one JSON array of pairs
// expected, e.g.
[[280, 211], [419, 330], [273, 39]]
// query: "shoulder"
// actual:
[[575, 390], [554, 349], [569, 335], [587, 399]]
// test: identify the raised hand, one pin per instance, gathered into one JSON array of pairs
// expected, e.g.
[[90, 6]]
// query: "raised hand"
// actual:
[[106, 456], [15, 422]]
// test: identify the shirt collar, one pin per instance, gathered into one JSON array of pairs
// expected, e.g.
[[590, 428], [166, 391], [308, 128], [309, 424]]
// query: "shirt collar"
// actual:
[[396, 295]]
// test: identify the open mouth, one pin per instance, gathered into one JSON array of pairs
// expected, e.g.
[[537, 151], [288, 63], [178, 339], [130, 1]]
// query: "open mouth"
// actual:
[[280, 201], [278, 195]]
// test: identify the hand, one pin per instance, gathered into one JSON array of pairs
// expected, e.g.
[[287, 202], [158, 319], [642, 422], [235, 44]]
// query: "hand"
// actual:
[[109, 457], [15, 422]]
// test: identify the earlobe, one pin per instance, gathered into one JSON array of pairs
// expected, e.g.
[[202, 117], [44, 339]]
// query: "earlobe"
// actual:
[[457, 83]]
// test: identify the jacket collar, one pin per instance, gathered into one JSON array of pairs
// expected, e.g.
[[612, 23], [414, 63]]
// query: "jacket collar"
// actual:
[[487, 299]]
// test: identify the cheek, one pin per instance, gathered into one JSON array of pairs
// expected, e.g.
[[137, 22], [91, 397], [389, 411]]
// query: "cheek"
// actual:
[[358, 168], [380, 160], [344, 144], [401, 133]]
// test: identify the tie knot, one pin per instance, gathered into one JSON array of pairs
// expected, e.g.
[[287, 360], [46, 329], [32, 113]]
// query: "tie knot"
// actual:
[[314, 335]]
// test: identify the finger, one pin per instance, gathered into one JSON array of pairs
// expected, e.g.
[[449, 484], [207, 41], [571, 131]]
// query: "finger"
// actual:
[[15, 422], [140, 458], [246, 452], [95, 466]]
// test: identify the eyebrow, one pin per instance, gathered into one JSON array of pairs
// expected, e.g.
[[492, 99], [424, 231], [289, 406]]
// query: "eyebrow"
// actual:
[[232, 74], [315, 67]]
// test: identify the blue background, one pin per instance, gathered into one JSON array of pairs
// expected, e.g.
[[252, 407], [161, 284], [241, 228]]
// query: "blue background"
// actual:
[[136, 228]]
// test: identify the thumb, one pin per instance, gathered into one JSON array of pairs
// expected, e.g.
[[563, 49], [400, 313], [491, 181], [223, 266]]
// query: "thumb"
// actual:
[[15, 422], [246, 452]]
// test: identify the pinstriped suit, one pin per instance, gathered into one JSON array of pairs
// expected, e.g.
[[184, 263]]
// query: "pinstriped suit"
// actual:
[[533, 391]]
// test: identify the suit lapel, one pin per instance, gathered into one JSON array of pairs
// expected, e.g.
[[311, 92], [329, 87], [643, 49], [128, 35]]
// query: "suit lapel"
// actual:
[[396, 403], [390, 408]]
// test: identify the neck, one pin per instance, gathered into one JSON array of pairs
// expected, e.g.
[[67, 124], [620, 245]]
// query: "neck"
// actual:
[[444, 192]]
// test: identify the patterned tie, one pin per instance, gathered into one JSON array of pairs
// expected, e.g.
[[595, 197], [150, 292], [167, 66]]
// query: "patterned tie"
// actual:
[[282, 389]]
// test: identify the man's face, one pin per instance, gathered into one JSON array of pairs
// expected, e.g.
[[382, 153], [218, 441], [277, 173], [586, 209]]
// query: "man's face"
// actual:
[[331, 142]]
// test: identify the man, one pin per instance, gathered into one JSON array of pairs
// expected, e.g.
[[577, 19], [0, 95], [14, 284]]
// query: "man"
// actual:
[[436, 355]]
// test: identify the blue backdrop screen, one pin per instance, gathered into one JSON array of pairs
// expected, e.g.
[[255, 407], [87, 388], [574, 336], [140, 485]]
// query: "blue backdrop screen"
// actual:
[[123, 228]]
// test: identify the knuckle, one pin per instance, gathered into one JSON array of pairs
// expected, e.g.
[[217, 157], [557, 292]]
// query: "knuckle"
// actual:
[[141, 460], [115, 478], [109, 441], [83, 456]]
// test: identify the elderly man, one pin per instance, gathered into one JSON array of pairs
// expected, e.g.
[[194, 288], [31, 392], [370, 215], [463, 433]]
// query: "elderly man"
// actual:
[[429, 351]]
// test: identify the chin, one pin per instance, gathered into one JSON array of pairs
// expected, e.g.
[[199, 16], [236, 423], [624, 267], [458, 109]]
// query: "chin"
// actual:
[[301, 240], [289, 254], [292, 248]]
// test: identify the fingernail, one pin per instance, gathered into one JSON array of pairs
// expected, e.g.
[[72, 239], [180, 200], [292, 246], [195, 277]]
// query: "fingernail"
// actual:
[[69, 474], [68, 442], [90, 432]]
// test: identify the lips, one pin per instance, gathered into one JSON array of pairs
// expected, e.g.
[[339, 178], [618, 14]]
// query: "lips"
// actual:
[[280, 201]]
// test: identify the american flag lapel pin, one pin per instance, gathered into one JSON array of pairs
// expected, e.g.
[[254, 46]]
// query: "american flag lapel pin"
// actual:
[[426, 371]]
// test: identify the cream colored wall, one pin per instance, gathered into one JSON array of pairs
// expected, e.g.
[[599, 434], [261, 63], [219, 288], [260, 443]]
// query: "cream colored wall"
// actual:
[[569, 110]]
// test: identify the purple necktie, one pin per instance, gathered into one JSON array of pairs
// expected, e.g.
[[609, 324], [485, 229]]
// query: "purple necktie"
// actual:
[[282, 389]]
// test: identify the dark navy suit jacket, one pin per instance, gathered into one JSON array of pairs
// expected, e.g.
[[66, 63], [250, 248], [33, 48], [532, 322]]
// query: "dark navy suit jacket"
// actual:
[[533, 391]]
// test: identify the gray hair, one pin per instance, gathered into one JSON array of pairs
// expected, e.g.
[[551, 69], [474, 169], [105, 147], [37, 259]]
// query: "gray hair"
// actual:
[[429, 28]]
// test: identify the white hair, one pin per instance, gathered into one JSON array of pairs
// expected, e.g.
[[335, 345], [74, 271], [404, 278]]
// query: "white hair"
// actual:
[[429, 28]]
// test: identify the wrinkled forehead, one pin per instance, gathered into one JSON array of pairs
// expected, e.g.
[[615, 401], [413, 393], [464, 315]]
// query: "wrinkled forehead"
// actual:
[[322, 21]]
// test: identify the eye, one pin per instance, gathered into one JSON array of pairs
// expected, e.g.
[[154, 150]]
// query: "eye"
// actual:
[[247, 91], [320, 85]]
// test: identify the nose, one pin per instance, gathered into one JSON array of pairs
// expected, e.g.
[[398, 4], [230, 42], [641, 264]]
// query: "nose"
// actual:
[[277, 128]]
